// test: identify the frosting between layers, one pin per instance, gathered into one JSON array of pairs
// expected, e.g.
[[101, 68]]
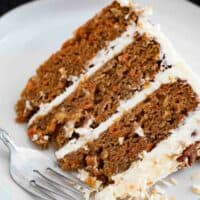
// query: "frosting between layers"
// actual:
[[156, 165], [114, 47], [178, 70], [168, 76]]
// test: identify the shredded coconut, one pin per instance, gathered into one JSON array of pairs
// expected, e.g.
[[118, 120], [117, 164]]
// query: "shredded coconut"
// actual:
[[35, 137], [28, 106], [63, 73], [69, 129], [121, 140], [46, 137], [139, 131]]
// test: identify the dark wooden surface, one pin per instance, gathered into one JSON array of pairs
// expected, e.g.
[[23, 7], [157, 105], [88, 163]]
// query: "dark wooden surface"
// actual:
[[6, 5], [196, 2]]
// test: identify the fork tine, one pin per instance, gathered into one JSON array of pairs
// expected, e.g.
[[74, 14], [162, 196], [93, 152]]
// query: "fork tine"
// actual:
[[66, 186], [36, 194], [70, 177], [46, 191]]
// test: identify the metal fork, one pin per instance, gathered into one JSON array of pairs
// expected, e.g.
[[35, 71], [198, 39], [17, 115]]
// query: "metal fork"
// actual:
[[40, 176]]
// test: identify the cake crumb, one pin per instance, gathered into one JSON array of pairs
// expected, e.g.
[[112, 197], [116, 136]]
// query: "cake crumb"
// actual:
[[121, 140], [196, 189]]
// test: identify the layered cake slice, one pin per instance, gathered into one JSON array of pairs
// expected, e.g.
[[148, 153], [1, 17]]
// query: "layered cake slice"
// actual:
[[119, 104]]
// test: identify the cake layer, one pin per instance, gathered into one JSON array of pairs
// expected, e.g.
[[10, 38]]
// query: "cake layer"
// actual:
[[179, 150], [65, 66], [99, 96], [138, 130]]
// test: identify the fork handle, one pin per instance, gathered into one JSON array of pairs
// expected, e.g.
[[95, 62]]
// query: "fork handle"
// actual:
[[4, 137]]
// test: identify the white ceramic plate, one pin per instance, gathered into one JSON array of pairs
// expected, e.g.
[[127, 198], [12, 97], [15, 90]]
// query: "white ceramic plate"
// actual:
[[29, 34]]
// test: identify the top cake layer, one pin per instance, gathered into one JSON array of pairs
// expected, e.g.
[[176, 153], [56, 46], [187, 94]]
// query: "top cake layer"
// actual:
[[73, 59]]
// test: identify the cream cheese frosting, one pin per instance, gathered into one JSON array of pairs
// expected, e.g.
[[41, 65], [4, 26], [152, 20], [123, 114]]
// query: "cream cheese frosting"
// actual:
[[168, 76], [156, 165], [162, 160], [179, 70]]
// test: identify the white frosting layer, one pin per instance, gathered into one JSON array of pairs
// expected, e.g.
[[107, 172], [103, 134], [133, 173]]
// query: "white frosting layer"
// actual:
[[168, 76], [178, 70], [114, 47], [155, 165], [161, 161]]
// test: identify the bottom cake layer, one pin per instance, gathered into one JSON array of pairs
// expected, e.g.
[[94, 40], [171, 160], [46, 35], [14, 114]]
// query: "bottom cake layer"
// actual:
[[180, 150]]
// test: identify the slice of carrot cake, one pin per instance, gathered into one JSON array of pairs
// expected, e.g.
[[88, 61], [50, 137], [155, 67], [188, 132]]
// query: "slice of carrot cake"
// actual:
[[119, 104]]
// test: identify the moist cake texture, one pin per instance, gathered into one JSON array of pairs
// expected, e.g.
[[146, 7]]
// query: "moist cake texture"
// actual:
[[159, 113], [97, 98], [118, 103], [60, 70]]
